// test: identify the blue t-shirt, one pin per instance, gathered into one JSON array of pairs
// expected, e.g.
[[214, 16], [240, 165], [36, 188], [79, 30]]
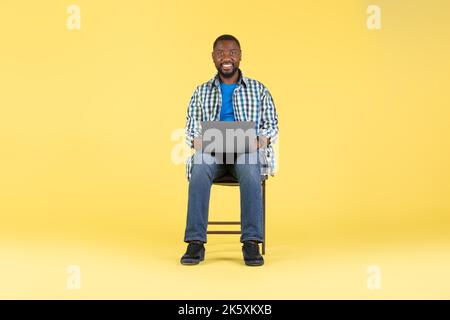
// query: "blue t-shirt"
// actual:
[[226, 111]]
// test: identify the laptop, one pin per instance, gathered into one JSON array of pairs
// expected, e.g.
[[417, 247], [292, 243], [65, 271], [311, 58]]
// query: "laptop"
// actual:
[[228, 136]]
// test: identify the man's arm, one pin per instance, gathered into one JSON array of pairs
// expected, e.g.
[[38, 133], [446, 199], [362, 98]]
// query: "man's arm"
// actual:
[[193, 120], [269, 120]]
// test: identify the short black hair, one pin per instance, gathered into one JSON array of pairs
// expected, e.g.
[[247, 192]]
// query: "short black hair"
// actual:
[[226, 37]]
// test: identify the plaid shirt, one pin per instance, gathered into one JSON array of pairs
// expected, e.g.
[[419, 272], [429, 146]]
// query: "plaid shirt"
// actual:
[[251, 102]]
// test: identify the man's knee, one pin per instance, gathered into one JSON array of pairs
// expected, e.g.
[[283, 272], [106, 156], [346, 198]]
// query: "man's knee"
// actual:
[[248, 172], [200, 172], [251, 158], [204, 158], [203, 167]]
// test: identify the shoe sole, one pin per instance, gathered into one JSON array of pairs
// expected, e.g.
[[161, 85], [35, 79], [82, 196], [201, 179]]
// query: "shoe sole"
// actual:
[[254, 263], [192, 262]]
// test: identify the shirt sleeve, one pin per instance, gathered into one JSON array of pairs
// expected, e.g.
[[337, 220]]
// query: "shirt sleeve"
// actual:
[[269, 117], [193, 119]]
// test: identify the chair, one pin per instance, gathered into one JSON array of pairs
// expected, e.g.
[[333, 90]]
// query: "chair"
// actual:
[[229, 180]]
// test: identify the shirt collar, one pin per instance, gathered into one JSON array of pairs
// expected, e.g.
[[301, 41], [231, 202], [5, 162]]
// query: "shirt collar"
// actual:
[[241, 80]]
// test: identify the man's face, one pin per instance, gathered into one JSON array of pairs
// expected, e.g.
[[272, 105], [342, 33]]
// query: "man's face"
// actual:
[[226, 57]]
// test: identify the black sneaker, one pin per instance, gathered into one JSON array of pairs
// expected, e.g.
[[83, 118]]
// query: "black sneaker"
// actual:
[[194, 254], [250, 249]]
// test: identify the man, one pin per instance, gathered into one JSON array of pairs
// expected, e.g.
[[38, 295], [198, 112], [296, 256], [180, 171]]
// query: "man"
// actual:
[[229, 96]]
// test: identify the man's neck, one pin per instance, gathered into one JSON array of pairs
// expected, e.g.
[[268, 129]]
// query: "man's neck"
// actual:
[[230, 80]]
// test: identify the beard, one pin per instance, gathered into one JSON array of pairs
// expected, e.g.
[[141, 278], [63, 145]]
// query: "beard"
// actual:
[[227, 74]]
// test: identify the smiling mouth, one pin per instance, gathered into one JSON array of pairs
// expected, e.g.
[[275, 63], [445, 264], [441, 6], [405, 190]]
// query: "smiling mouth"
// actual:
[[227, 66]]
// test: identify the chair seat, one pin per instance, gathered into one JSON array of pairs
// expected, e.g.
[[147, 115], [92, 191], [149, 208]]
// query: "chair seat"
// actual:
[[228, 180]]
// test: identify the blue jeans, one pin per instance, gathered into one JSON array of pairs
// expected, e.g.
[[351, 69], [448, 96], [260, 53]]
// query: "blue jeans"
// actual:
[[246, 169]]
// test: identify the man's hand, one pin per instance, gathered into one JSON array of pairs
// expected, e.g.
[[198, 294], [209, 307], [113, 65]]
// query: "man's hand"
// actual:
[[263, 141], [198, 143], [260, 142]]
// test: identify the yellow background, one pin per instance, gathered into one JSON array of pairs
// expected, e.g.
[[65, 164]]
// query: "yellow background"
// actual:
[[86, 175]]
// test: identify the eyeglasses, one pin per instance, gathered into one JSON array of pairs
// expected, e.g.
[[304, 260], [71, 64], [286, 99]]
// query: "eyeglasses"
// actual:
[[221, 53]]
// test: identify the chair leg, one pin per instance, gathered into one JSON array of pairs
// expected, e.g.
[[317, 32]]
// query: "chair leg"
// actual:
[[264, 216]]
